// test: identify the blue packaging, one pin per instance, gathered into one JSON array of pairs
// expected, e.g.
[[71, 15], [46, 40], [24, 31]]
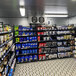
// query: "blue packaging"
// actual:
[[28, 51], [30, 38], [27, 38], [26, 58], [30, 58], [26, 33], [31, 51], [22, 59], [28, 45], [35, 51], [18, 59], [21, 39], [23, 46], [25, 51], [35, 57], [29, 33], [17, 52], [18, 46], [35, 38], [20, 27], [20, 33]]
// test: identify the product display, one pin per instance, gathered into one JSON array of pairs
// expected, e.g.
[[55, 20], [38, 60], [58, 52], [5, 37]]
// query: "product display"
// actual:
[[47, 42], [7, 49], [26, 44], [27, 58], [55, 40]]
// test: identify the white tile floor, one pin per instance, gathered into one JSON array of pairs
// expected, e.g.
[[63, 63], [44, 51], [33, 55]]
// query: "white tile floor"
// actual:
[[58, 67]]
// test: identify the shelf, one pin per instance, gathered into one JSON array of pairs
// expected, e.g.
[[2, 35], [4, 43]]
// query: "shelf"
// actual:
[[65, 45], [2, 33], [56, 35], [65, 40], [26, 36], [26, 54], [54, 40], [48, 53], [49, 47], [5, 42], [56, 46], [26, 48], [65, 51], [25, 42], [26, 30], [47, 41], [27, 62], [55, 30], [5, 54]]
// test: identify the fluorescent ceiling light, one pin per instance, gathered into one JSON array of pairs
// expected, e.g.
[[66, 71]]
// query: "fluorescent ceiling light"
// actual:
[[22, 11], [73, 0], [21, 2], [55, 15], [56, 10]]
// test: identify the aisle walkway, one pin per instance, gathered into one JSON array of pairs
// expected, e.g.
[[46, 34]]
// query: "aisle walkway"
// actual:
[[59, 67]]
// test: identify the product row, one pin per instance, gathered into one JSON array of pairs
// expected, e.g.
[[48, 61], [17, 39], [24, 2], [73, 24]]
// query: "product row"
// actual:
[[4, 38], [70, 48], [57, 44], [55, 27], [22, 33], [27, 58], [66, 43], [47, 50], [24, 39], [6, 64], [22, 28], [12, 68], [5, 28], [25, 52], [5, 48], [55, 33], [26, 45], [47, 38], [51, 56], [48, 44], [65, 37]]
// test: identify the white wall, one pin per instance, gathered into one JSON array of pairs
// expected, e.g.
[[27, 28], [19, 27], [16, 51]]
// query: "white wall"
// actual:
[[15, 21], [72, 20], [57, 21], [25, 21]]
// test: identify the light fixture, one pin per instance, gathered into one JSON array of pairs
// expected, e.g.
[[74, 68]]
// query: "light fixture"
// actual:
[[21, 2], [49, 15], [55, 10], [22, 11]]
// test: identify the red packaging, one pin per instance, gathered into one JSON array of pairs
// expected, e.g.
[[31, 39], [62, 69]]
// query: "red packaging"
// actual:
[[38, 33], [40, 50], [42, 33], [44, 57], [40, 57], [38, 28], [38, 38], [44, 44]]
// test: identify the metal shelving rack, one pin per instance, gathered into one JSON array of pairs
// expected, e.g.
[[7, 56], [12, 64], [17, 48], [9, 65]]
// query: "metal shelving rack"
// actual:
[[56, 40], [30, 48], [8, 53], [42, 41]]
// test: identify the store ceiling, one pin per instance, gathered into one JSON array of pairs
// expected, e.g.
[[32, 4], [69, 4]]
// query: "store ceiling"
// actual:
[[10, 8]]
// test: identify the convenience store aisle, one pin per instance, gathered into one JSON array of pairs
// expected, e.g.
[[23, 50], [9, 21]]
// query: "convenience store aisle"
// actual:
[[59, 67]]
